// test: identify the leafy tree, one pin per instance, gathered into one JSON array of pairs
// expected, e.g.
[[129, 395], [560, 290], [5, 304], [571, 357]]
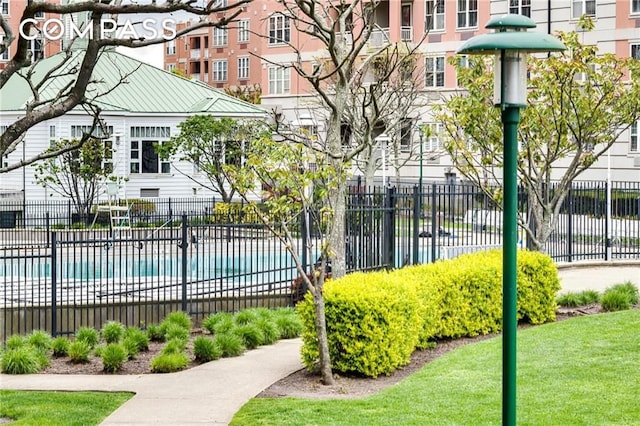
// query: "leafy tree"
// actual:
[[216, 146], [79, 93], [77, 175], [579, 103]]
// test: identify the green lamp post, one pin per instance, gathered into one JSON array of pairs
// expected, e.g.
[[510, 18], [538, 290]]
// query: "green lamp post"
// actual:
[[510, 43]]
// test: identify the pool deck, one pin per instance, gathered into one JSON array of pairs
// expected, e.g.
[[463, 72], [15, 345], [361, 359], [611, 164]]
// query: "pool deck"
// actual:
[[578, 276]]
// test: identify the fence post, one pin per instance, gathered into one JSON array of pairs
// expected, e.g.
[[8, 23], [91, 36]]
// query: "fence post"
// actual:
[[184, 244], [304, 235], [417, 197], [434, 212], [388, 254], [47, 227], [570, 226], [69, 213], [54, 280], [607, 239]]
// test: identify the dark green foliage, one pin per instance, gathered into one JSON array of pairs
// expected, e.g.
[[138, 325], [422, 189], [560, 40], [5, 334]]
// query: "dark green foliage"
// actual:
[[89, 335], [113, 357], [174, 346], [60, 346], [205, 349], [269, 329], [79, 351], [155, 333], [619, 297], [251, 335], [21, 360], [139, 337], [230, 344], [220, 322], [40, 339], [245, 317], [169, 362], [176, 331], [180, 318], [583, 298], [112, 332], [289, 324]]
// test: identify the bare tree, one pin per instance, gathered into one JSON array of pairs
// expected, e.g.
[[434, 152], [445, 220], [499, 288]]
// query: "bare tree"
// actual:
[[75, 93]]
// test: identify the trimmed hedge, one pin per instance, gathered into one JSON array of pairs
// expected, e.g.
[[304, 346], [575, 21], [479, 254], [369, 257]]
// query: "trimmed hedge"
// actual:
[[376, 320]]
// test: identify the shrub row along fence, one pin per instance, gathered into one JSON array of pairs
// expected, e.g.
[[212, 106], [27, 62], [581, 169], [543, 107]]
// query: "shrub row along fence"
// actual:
[[59, 271]]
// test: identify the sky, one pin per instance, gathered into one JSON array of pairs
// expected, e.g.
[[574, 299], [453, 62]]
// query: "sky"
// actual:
[[152, 55]]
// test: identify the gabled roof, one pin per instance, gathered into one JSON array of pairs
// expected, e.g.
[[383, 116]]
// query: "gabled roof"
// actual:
[[124, 84]]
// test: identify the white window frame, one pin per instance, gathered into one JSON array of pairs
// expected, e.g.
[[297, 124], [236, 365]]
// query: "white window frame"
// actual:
[[577, 13], [171, 47], [406, 133], [434, 142], [433, 67], [4, 56], [435, 20], [636, 47], [33, 50], [634, 137], [220, 37], [279, 80], [147, 134], [243, 31], [220, 70], [279, 29], [243, 67], [520, 7], [470, 15], [220, 3], [4, 7], [171, 67], [77, 131], [635, 7]]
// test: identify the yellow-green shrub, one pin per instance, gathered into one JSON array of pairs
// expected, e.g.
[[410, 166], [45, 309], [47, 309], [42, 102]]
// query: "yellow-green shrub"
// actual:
[[236, 213], [372, 324], [538, 286]]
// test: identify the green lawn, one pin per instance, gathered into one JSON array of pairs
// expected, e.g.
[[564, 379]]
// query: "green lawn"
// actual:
[[59, 408], [583, 371]]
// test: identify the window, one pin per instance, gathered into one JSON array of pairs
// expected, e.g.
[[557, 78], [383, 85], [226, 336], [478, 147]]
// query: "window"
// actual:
[[467, 13], [635, 6], [463, 62], [435, 15], [4, 56], [405, 136], [279, 80], [52, 135], [243, 31], [279, 29], [171, 47], [520, 7], [143, 155], [345, 134], [583, 7], [243, 68], [434, 72], [220, 70], [171, 67], [233, 153], [635, 134], [220, 3], [4, 7], [35, 47], [220, 37], [149, 192], [635, 50], [78, 131], [434, 138]]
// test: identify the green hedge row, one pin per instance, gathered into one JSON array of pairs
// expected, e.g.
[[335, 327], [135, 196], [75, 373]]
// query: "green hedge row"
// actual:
[[376, 320]]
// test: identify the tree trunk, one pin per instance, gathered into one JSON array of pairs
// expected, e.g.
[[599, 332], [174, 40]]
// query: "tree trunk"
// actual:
[[323, 344]]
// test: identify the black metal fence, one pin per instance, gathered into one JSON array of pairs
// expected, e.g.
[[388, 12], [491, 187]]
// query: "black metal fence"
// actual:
[[59, 272]]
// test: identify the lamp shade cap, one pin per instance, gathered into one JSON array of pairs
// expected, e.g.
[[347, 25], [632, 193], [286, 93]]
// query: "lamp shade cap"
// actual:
[[510, 20], [518, 40]]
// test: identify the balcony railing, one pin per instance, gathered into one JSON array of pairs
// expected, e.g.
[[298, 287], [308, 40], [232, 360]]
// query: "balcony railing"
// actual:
[[379, 37], [406, 33], [195, 54]]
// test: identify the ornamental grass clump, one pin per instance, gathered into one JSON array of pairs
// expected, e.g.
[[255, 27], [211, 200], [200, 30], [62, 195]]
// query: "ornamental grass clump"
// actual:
[[60, 346], [137, 336], [155, 333], [169, 362], [230, 344], [220, 322], [112, 332], [113, 357], [175, 331], [39, 339], [288, 323], [175, 345], [21, 360], [205, 349], [245, 317], [131, 346], [79, 351], [89, 335], [180, 318], [251, 335], [619, 297], [15, 342], [269, 329], [573, 300]]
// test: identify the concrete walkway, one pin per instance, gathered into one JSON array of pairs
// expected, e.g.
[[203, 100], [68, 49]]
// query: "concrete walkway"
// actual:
[[212, 393], [209, 394]]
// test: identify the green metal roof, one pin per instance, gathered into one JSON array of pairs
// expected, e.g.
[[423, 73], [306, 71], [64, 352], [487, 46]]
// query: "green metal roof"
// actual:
[[511, 20], [145, 89], [511, 40]]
